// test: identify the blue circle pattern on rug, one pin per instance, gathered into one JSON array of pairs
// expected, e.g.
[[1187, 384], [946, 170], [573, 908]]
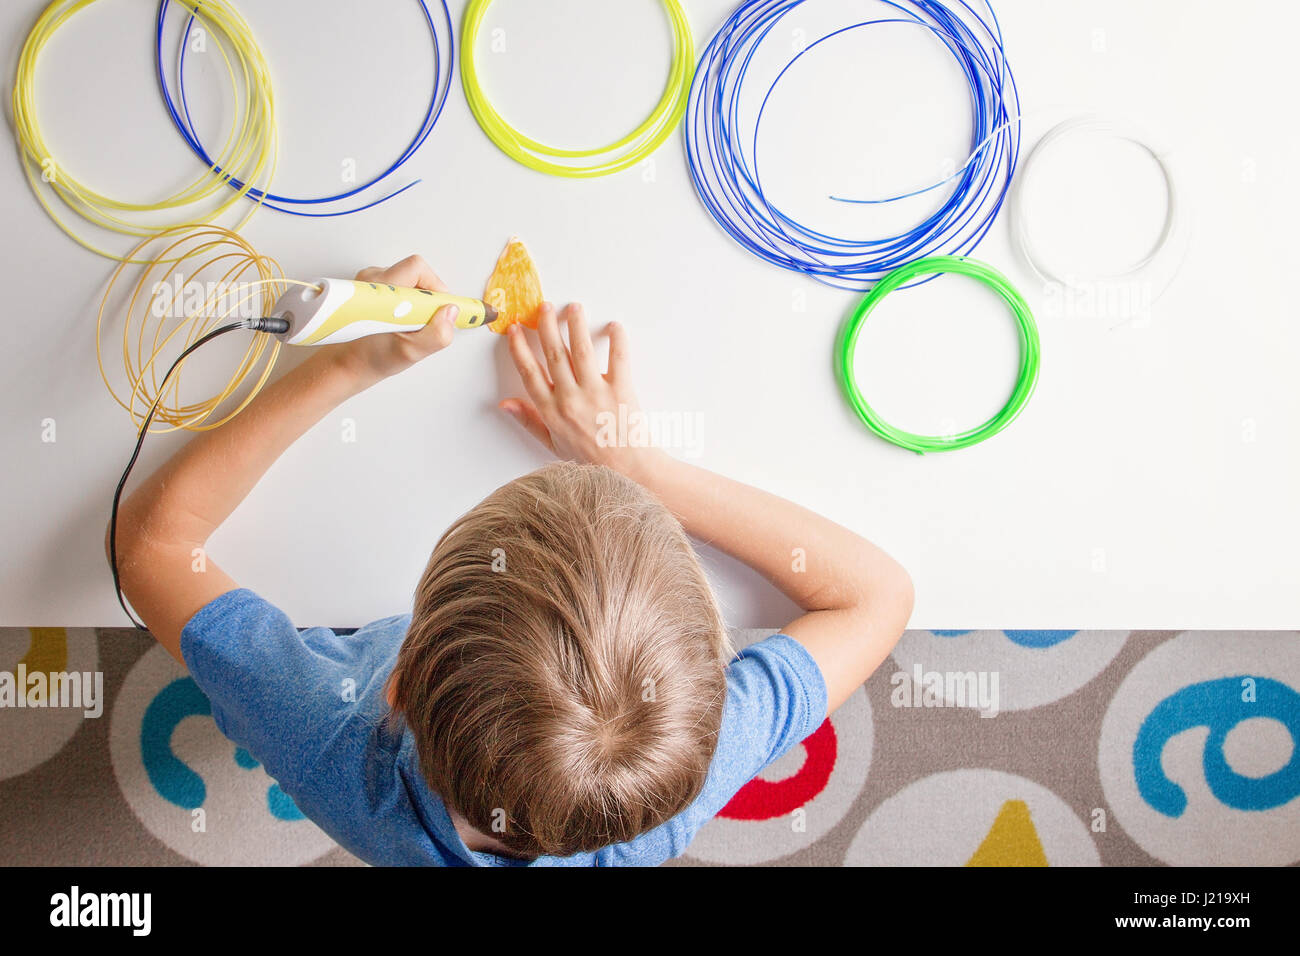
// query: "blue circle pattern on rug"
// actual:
[[1037, 639], [1219, 705], [174, 779]]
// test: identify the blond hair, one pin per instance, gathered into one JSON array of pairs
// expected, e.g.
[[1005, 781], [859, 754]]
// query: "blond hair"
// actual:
[[563, 673]]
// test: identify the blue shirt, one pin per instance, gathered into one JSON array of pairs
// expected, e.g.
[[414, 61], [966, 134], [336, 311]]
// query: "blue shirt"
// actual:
[[310, 706]]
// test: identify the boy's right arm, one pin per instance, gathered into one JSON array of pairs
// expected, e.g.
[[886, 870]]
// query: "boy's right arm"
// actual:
[[856, 599]]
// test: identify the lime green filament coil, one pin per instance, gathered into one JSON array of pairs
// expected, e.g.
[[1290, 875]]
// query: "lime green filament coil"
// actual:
[[582, 163], [846, 348]]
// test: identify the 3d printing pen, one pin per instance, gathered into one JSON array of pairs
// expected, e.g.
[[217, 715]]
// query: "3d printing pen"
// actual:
[[341, 310]]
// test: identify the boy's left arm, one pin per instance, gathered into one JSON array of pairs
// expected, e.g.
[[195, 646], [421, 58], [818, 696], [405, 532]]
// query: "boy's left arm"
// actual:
[[176, 510]]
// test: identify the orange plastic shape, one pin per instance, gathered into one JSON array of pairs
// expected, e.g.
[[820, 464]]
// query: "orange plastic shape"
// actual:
[[514, 288]]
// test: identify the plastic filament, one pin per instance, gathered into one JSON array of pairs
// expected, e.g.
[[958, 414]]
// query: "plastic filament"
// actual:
[[582, 163], [180, 114], [722, 145], [197, 279], [1027, 377], [1173, 232], [247, 154]]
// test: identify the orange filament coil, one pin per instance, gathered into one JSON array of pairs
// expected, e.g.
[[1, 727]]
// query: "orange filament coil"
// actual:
[[199, 278]]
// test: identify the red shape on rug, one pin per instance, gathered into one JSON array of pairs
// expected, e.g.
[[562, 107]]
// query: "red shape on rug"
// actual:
[[768, 799]]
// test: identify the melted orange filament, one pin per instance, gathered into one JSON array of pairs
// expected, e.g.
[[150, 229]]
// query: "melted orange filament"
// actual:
[[514, 288]]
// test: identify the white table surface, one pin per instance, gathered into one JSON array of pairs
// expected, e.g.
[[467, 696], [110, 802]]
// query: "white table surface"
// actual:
[[1150, 483]]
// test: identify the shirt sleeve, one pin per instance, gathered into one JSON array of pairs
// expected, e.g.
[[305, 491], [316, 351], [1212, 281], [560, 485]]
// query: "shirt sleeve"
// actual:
[[279, 693], [776, 697]]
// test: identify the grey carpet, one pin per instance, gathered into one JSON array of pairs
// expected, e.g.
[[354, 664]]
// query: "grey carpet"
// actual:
[[1110, 748]]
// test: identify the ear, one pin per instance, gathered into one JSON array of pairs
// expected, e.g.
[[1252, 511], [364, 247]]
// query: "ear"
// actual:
[[390, 690]]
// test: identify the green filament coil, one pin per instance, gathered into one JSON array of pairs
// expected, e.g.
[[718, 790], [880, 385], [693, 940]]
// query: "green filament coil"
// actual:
[[846, 348]]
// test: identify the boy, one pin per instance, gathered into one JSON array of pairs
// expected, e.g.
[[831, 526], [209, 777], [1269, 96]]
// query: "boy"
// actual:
[[563, 691]]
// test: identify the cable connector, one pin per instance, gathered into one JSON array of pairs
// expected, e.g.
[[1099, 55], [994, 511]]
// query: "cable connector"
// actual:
[[267, 324]]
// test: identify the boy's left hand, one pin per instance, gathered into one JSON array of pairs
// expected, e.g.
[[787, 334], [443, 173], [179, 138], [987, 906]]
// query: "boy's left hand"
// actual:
[[376, 357], [572, 400]]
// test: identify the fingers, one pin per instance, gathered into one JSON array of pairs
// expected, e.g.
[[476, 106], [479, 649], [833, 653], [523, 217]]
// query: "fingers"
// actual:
[[528, 416], [412, 273], [582, 354], [618, 354], [530, 372], [438, 332], [557, 355]]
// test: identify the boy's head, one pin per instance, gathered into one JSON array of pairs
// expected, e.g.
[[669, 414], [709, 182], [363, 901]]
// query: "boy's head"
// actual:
[[563, 674]]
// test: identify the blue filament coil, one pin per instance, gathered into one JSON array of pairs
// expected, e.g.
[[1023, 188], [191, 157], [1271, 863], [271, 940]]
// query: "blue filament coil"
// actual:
[[442, 71], [722, 146]]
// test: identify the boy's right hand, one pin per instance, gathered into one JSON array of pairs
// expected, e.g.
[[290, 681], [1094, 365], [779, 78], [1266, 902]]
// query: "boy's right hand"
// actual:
[[576, 409], [375, 357]]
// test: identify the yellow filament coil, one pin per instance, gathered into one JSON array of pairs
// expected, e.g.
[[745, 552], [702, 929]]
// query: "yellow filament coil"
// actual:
[[582, 163], [247, 155], [198, 279]]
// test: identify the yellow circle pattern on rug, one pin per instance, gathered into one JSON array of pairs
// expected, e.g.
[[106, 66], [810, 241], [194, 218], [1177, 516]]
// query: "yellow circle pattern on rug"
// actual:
[[248, 153], [973, 817], [582, 163], [55, 705]]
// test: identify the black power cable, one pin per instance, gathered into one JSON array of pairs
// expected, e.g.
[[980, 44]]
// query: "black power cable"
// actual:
[[254, 325]]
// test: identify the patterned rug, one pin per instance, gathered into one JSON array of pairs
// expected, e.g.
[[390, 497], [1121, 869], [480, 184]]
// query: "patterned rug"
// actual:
[[1021, 748]]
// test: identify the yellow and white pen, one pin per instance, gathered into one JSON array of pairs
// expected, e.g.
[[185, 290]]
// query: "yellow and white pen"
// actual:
[[340, 310]]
